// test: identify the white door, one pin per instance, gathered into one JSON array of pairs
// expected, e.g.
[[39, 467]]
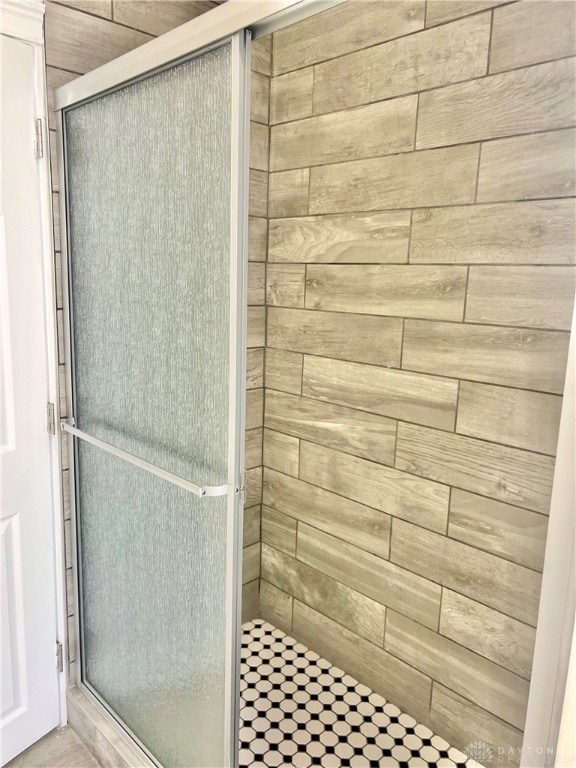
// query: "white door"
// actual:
[[30, 694]]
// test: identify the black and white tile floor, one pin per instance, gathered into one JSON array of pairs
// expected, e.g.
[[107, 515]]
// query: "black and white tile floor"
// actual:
[[299, 710]]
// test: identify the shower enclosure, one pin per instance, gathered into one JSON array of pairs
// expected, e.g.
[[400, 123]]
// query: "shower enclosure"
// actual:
[[374, 506]]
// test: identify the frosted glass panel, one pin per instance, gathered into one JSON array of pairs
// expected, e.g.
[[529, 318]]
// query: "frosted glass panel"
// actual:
[[153, 578], [149, 206], [149, 210]]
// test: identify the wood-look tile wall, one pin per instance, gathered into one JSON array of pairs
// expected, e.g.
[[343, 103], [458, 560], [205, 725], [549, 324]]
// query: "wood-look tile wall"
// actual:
[[257, 246], [82, 35], [419, 291]]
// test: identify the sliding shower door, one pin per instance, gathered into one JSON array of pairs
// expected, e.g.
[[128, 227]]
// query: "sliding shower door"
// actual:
[[154, 181]]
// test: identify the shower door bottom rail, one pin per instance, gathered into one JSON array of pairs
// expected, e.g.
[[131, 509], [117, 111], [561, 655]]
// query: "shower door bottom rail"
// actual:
[[198, 490]]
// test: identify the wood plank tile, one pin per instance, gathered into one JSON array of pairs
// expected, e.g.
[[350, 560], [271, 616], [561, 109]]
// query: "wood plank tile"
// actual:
[[360, 338], [515, 417], [539, 98], [60, 336], [261, 50], [372, 576], [285, 285], [251, 532], [289, 193], [257, 238], [253, 494], [404, 291], [541, 165], [487, 684], [507, 587], [254, 408], [359, 614], [60, 747], [256, 283], [258, 193], [56, 223], [62, 391], [276, 606], [439, 11], [506, 531], [256, 326], [516, 477], [399, 683], [67, 544], [72, 640], [513, 357], [281, 451], [54, 79], [54, 169], [428, 400], [377, 129], [396, 493], [366, 528], [250, 563], [96, 7], [255, 369], [414, 63], [284, 370], [157, 18], [409, 180], [506, 641], [250, 601], [79, 42], [279, 530], [540, 232], [65, 486], [532, 297], [457, 717], [253, 449], [338, 31], [259, 146], [291, 96], [58, 279], [259, 98], [529, 33], [348, 430], [358, 238]]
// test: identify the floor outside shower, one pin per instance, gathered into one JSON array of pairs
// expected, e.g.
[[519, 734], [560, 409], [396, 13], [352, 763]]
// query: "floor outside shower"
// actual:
[[297, 709]]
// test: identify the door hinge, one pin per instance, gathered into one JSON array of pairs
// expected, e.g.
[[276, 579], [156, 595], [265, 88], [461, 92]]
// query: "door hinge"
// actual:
[[59, 657], [38, 138], [50, 419]]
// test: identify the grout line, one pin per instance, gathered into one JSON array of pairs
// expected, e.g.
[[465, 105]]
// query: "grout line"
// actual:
[[462, 204], [384, 369], [464, 306], [477, 184], [435, 321], [414, 149], [62, 69], [410, 225], [490, 38]]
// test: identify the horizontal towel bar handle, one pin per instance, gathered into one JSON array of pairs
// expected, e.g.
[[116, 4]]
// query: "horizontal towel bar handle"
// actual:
[[198, 490]]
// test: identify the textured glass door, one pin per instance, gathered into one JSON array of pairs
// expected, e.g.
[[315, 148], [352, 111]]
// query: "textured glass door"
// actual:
[[154, 186]]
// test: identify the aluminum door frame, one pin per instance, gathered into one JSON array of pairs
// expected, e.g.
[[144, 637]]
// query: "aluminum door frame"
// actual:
[[239, 179]]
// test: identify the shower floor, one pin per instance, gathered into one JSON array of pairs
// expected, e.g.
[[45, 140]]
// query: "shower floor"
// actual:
[[297, 709]]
